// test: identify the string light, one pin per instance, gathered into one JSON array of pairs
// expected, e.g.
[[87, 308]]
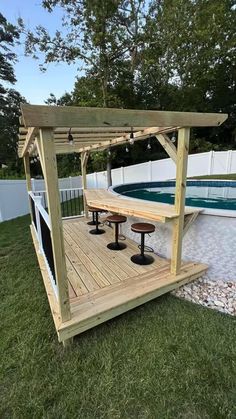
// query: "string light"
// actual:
[[131, 137], [70, 137], [109, 151], [127, 148], [149, 143], [173, 138]]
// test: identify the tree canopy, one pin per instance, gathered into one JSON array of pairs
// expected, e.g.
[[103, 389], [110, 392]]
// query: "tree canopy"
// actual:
[[150, 54], [9, 98]]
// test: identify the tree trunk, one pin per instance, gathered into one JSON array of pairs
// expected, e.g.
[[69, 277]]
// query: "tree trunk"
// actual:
[[109, 177]]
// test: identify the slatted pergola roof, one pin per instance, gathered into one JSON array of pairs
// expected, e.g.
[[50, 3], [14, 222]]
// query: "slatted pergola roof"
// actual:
[[100, 128]]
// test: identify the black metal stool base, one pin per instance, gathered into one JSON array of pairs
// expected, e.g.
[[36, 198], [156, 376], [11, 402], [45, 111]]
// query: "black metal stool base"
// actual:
[[116, 246], [92, 223], [142, 260], [94, 231]]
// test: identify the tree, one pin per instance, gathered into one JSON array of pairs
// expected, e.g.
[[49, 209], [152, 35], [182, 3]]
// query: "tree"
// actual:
[[10, 99], [9, 129], [8, 37], [189, 64], [101, 36]]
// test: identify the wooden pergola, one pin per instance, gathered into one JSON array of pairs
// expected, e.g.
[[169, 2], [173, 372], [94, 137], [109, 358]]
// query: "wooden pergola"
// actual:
[[45, 132]]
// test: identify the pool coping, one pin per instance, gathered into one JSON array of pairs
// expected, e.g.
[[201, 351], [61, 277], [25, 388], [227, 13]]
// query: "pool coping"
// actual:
[[204, 211]]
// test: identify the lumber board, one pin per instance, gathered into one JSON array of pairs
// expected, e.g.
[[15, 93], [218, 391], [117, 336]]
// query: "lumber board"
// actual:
[[53, 199], [71, 116], [155, 211], [53, 303], [125, 297], [180, 191], [168, 146], [32, 132]]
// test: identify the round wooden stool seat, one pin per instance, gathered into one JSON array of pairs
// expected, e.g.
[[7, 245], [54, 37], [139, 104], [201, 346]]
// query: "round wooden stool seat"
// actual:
[[93, 211], [116, 219], [95, 221], [142, 228]]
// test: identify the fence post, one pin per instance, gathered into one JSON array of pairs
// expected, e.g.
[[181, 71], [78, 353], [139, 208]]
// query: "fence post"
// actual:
[[229, 160], [95, 179], [33, 184], [38, 201], [150, 170], [70, 181], [122, 174], [211, 156]]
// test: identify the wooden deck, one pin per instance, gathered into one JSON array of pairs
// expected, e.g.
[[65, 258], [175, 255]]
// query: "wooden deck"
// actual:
[[104, 283]]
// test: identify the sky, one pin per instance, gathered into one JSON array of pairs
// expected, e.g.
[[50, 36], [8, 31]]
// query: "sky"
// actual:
[[34, 85]]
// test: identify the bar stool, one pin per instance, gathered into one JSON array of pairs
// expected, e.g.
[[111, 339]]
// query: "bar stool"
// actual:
[[116, 219], [93, 222], [96, 230], [142, 228]]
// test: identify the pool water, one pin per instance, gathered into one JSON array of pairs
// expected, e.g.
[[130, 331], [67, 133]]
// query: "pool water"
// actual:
[[207, 194]]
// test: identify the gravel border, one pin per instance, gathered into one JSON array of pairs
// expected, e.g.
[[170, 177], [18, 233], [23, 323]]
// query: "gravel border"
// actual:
[[217, 295]]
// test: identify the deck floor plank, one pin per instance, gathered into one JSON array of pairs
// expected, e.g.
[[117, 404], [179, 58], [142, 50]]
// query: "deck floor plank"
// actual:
[[92, 266], [103, 284], [100, 255], [100, 279]]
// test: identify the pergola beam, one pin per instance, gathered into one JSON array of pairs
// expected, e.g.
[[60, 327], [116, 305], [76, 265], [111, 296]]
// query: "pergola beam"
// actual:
[[73, 116]]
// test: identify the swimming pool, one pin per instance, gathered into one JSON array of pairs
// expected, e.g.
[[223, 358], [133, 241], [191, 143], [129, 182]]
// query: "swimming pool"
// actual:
[[202, 194], [211, 239]]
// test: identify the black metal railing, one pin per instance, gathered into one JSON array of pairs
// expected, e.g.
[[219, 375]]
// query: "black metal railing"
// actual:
[[71, 201], [32, 205], [46, 243]]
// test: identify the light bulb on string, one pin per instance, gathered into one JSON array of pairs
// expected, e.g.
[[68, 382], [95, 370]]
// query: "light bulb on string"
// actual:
[[131, 137], [173, 137], [70, 137], [127, 148], [109, 151], [149, 143]]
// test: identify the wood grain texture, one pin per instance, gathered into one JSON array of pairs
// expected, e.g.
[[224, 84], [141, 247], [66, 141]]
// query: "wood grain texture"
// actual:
[[180, 191], [71, 116], [155, 211], [54, 207]]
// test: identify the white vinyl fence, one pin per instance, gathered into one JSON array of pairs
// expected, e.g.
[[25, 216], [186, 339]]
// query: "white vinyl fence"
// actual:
[[213, 162], [14, 198]]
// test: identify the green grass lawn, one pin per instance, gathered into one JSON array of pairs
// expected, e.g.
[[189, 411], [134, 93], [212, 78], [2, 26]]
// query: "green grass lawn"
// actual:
[[231, 176], [166, 359]]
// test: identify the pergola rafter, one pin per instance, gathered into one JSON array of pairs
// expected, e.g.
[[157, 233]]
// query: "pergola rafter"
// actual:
[[99, 128]]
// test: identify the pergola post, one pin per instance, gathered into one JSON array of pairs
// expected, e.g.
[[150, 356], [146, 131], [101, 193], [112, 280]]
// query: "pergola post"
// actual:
[[84, 159], [51, 182], [28, 179], [180, 189]]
